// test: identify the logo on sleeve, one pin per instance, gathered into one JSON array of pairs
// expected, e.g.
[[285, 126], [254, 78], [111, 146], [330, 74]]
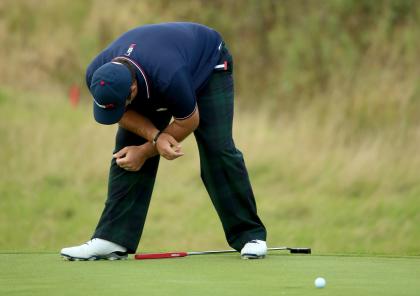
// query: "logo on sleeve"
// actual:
[[130, 49]]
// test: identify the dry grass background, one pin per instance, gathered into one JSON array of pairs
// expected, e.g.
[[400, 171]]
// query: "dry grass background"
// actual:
[[330, 131], [314, 184]]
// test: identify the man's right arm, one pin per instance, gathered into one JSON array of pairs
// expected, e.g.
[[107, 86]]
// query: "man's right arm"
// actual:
[[143, 127], [138, 124]]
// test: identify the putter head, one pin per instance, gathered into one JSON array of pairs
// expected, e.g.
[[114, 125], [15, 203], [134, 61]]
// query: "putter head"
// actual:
[[300, 250]]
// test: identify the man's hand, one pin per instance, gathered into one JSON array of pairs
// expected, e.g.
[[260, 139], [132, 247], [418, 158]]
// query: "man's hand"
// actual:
[[168, 147], [167, 143], [131, 158]]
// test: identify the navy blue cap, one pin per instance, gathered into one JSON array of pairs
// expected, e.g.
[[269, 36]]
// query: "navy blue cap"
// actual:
[[110, 88]]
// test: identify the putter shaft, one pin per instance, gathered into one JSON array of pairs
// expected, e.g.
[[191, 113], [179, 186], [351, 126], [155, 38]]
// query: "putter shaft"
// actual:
[[184, 254]]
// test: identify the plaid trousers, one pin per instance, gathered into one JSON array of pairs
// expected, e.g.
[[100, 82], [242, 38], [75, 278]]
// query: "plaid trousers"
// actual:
[[223, 172]]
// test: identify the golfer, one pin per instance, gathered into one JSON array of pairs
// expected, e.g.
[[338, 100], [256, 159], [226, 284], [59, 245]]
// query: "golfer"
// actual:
[[142, 80]]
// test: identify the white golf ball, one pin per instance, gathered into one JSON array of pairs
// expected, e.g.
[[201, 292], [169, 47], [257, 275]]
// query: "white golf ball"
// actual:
[[320, 282]]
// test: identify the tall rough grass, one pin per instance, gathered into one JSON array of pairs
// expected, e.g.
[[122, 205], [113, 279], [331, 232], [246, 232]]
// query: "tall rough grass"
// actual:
[[315, 183], [328, 119], [285, 51]]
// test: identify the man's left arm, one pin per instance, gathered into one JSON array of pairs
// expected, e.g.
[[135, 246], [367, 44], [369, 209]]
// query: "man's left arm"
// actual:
[[181, 128], [168, 140], [167, 144], [181, 101]]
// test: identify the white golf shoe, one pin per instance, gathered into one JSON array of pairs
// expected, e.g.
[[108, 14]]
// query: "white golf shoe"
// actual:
[[95, 249], [255, 249]]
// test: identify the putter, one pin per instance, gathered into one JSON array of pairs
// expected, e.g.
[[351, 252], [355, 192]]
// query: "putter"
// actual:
[[185, 254]]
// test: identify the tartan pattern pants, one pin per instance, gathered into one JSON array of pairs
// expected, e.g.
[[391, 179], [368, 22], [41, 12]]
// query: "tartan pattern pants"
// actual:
[[223, 172]]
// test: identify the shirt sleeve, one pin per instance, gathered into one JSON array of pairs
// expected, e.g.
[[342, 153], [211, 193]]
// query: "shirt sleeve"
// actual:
[[180, 95]]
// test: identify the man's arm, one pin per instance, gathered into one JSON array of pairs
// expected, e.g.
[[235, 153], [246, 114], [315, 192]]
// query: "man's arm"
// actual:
[[138, 124], [143, 127], [181, 128], [167, 143]]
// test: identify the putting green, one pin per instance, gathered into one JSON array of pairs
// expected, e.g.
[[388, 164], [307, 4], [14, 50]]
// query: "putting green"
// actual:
[[278, 274]]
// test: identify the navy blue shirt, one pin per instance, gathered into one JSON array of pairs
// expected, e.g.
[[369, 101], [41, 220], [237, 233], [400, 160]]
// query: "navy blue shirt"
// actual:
[[173, 61]]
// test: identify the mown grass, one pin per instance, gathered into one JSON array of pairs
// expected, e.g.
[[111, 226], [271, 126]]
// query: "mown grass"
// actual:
[[316, 183], [45, 274]]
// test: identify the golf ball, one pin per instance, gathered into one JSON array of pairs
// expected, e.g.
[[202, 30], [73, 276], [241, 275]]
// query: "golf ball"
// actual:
[[320, 282]]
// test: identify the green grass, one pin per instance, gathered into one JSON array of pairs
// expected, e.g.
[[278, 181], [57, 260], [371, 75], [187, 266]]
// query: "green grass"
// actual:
[[332, 152], [46, 274]]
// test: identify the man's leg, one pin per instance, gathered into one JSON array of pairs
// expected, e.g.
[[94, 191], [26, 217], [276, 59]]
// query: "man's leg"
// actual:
[[222, 165], [129, 193], [128, 199], [121, 224]]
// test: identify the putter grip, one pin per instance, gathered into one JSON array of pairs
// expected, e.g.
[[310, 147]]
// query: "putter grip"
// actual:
[[160, 255]]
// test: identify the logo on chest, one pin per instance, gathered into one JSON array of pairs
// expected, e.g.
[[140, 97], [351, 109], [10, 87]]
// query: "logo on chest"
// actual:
[[130, 49]]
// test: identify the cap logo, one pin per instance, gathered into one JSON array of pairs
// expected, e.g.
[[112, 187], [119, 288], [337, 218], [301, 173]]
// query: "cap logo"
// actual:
[[102, 82], [106, 106]]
